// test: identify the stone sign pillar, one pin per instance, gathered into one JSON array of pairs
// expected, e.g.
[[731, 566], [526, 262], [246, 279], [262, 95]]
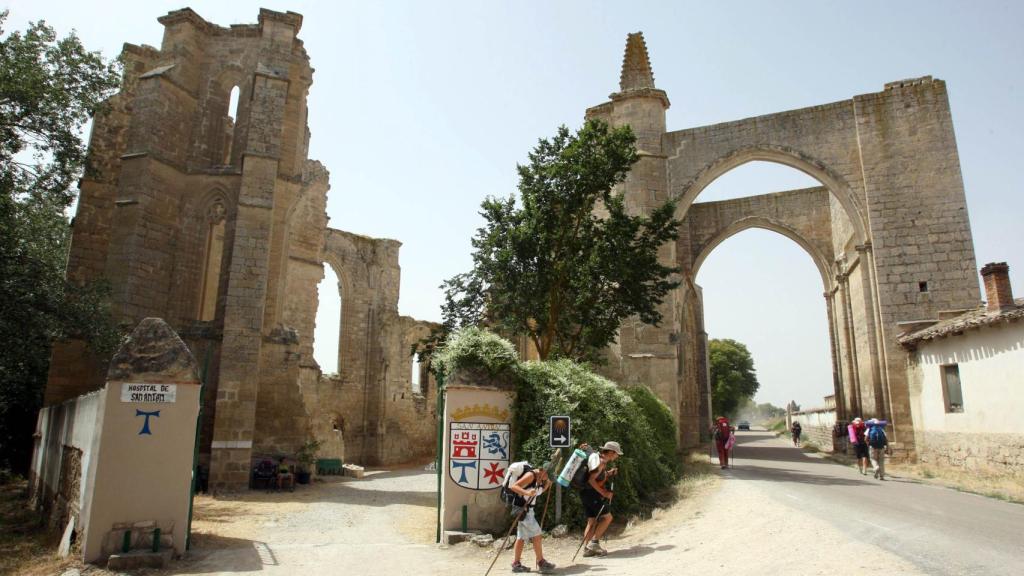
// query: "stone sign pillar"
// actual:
[[476, 450], [140, 479]]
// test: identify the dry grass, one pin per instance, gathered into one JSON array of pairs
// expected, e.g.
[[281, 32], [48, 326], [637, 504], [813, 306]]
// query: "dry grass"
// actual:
[[810, 446], [26, 547], [1002, 487], [985, 483]]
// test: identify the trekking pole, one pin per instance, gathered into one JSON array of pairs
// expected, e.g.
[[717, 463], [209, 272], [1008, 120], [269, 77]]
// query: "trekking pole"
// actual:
[[548, 499], [587, 533], [507, 534]]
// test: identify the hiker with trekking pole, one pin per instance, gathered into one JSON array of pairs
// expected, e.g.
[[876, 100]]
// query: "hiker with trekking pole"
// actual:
[[596, 499], [520, 488]]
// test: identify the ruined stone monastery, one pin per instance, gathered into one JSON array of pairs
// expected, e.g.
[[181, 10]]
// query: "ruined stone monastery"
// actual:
[[217, 224]]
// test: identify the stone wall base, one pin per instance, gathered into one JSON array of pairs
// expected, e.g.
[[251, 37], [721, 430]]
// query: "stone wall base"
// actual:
[[998, 454]]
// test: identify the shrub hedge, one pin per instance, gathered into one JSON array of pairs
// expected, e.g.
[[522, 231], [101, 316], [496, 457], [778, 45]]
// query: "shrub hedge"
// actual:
[[600, 411]]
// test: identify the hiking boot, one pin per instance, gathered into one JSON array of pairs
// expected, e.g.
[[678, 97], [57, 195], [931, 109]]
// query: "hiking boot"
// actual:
[[543, 566], [594, 549], [518, 567]]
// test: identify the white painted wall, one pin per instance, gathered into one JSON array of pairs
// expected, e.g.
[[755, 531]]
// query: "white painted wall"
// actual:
[[991, 361]]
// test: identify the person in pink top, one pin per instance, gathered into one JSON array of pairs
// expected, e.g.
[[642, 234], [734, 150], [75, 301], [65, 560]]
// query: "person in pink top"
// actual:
[[858, 439]]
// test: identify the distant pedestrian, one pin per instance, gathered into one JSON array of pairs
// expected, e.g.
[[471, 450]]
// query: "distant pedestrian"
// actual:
[[879, 445], [796, 430], [857, 431], [721, 432]]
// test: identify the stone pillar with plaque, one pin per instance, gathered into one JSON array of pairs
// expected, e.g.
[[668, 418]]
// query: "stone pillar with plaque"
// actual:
[[476, 450]]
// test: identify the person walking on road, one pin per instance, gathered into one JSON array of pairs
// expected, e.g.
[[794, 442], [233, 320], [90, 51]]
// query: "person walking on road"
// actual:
[[596, 498], [879, 445], [796, 430], [721, 431], [531, 485], [857, 431]]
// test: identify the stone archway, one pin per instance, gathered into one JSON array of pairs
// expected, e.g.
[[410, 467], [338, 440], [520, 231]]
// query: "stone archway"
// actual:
[[896, 246]]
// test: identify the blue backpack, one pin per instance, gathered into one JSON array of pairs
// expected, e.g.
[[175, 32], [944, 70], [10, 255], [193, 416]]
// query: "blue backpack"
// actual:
[[876, 437]]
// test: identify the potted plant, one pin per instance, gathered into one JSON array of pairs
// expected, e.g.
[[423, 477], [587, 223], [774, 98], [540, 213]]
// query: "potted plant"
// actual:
[[306, 457]]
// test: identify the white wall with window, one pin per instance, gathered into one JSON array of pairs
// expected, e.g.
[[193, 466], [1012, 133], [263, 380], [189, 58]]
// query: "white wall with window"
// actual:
[[970, 382]]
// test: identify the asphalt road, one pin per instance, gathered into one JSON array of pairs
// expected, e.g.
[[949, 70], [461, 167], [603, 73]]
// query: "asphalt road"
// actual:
[[941, 531]]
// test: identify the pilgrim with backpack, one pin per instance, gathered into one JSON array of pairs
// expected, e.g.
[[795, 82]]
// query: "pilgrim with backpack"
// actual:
[[879, 445], [520, 488]]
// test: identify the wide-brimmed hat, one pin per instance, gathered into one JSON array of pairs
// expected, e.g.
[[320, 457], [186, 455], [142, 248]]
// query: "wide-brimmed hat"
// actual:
[[857, 420], [873, 421], [613, 446]]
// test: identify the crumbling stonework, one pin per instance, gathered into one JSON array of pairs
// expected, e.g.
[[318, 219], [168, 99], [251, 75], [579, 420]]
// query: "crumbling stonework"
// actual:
[[888, 231], [214, 219]]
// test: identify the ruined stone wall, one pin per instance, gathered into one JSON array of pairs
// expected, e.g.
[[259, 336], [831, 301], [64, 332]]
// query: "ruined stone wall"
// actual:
[[215, 220]]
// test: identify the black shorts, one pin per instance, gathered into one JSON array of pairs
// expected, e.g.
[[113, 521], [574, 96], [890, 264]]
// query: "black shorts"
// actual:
[[861, 449], [592, 503]]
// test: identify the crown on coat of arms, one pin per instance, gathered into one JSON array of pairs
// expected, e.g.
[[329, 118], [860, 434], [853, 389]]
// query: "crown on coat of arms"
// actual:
[[486, 411]]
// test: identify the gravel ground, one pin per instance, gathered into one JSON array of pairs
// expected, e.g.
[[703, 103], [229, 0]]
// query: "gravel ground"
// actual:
[[384, 524]]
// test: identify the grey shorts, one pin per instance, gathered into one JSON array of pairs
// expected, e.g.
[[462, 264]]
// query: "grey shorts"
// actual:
[[528, 527]]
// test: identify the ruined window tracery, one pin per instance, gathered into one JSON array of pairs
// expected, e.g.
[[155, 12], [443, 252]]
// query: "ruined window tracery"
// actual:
[[216, 215], [230, 122]]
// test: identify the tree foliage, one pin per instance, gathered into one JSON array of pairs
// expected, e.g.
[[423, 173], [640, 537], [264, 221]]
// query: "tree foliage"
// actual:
[[48, 89], [568, 263], [733, 378]]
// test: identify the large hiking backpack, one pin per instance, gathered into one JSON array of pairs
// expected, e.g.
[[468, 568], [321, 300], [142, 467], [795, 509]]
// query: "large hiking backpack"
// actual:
[[513, 473], [722, 430], [876, 437], [581, 478]]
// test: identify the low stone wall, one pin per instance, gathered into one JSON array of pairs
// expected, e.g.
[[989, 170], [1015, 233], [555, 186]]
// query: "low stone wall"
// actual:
[[999, 454], [818, 427]]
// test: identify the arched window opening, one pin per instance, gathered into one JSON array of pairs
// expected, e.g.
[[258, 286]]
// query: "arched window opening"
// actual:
[[417, 387], [777, 311], [327, 334], [214, 256], [230, 120], [755, 178]]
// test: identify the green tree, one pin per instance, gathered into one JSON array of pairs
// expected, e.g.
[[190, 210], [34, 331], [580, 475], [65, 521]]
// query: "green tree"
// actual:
[[49, 87], [570, 264], [733, 378]]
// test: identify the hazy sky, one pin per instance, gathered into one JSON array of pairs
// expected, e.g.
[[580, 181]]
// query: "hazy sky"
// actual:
[[420, 109]]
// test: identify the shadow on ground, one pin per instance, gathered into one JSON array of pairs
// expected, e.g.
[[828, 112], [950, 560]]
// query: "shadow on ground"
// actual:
[[348, 491]]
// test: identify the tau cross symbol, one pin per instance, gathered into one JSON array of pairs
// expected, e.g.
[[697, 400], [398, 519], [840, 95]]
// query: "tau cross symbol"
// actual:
[[145, 424]]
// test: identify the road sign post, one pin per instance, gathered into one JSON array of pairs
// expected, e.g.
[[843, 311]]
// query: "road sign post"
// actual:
[[560, 432]]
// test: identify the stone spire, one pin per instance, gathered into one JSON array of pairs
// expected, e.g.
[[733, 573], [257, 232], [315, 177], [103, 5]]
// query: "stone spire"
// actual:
[[636, 65]]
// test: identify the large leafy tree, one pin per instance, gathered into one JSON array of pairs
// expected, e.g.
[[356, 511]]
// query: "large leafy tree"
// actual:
[[49, 87], [733, 379], [567, 263]]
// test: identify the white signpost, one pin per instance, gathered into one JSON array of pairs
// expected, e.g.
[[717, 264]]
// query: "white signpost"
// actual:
[[149, 393]]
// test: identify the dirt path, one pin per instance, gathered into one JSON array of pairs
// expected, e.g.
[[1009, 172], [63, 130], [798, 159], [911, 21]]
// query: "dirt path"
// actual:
[[384, 524]]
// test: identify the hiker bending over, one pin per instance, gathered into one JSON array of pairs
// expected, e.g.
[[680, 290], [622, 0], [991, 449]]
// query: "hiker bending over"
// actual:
[[596, 499], [529, 486]]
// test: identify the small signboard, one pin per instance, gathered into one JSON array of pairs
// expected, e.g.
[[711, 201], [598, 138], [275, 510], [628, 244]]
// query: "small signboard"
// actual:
[[149, 393], [560, 432]]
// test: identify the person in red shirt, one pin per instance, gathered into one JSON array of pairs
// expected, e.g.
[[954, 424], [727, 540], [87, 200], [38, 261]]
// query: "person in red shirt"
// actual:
[[721, 432]]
